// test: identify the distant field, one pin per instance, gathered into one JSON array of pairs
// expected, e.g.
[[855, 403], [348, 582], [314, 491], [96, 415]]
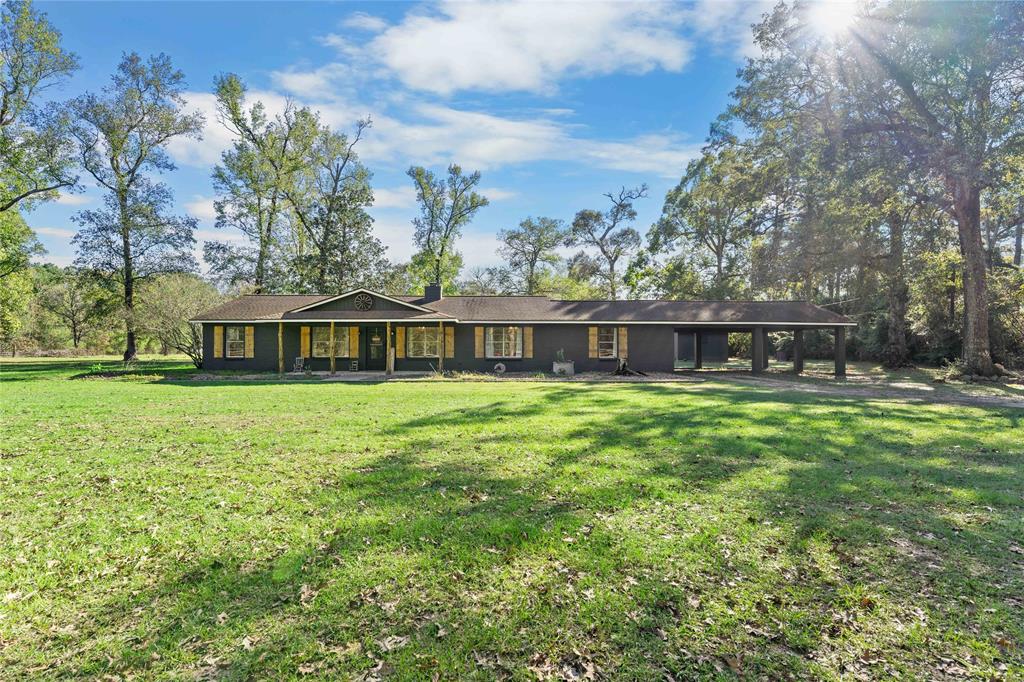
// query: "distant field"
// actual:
[[157, 527]]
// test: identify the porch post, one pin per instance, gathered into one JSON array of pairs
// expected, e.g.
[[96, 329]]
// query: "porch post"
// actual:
[[757, 350], [764, 349], [389, 366], [840, 344], [332, 346], [698, 355], [280, 347], [798, 350], [440, 345]]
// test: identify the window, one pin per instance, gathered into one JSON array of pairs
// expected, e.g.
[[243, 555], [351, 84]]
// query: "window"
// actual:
[[607, 343], [322, 342], [422, 342], [235, 342], [504, 342]]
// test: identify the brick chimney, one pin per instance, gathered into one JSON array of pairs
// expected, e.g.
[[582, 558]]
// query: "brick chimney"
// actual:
[[431, 293]]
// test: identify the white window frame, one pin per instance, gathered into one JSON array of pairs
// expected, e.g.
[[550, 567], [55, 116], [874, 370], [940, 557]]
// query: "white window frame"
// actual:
[[417, 342], [498, 349], [602, 344], [234, 348], [340, 342]]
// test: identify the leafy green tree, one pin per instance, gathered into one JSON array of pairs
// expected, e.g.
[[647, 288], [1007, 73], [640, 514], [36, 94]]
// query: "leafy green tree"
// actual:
[[18, 244], [446, 206], [610, 233], [529, 249], [709, 218], [121, 133], [77, 301], [329, 198], [167, 303], [950, 74], [252, 183], [36, 155]]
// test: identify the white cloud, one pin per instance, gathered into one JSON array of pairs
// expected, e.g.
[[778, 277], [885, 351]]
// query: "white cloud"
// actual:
[[497, 193], [394, 197], [55, 232], [73, 199], [365, 22], [523, 46], [435, 135], [202, 208], [394, 234], [727, 23]]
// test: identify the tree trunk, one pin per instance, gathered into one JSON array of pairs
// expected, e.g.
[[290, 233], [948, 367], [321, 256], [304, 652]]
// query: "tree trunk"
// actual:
[[967, 212], [896, 353], [130, 352], [1017, 243]]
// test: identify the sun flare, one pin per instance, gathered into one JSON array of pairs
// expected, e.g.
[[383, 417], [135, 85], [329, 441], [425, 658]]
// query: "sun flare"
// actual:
[[829, 18]]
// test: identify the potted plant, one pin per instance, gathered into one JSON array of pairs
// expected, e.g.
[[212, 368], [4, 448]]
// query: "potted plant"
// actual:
[[562, 366]]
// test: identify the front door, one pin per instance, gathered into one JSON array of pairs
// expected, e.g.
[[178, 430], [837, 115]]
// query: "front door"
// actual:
[[375, 344]]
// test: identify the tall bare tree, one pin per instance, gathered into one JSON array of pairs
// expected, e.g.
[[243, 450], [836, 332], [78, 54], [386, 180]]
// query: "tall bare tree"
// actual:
[[529, 248], [121, 133], [610, 232]]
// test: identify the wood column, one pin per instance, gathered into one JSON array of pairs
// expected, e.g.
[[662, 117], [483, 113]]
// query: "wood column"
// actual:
[[389, 363], [757, 350], [698, 354], [332, 346], [280, 347], [798, 350], [440, 346], [840, 349]]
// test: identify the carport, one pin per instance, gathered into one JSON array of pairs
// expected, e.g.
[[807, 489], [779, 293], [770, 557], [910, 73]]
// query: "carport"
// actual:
[[700, 343]]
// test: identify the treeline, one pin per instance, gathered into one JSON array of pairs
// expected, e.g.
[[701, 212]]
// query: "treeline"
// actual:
[[878, 171]]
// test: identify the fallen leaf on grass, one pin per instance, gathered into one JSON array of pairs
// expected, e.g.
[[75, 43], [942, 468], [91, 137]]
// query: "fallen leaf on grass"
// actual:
[[393, 642], [306, 595], [222, 618]]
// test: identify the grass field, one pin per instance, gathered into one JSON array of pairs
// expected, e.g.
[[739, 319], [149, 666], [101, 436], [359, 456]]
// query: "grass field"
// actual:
[[157, 527]]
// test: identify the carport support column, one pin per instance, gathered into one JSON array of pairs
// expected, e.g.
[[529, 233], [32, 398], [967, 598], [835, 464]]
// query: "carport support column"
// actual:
[[840, 348], [698, 356], [757, 350], [798, 350]]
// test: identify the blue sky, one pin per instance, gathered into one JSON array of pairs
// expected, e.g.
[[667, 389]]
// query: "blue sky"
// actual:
[[554, 103]]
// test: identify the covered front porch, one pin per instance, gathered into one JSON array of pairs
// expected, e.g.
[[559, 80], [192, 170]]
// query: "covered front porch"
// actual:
[[346, 347], [697, 345]]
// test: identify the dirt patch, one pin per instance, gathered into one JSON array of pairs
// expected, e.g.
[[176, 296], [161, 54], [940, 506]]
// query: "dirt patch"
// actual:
[[924, 393]]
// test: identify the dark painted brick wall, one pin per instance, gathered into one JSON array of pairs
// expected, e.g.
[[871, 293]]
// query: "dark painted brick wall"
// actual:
[[651, 348]]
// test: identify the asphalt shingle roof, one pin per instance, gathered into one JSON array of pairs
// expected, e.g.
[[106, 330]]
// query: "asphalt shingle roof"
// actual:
[[534, 309]]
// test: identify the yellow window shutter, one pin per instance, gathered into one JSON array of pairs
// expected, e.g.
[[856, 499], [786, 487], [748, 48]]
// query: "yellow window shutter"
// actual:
[[250, 341], [592, 345], [623, 342], [304, 342], [449, 342], [218, 340], [399, 342], [353, 342], [527, 342], [478, 342]]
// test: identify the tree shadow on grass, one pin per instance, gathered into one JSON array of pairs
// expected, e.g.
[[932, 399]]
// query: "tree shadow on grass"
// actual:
[[495, 529]]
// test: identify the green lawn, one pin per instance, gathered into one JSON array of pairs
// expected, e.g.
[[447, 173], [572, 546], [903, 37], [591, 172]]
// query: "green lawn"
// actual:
[[157, 527]]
